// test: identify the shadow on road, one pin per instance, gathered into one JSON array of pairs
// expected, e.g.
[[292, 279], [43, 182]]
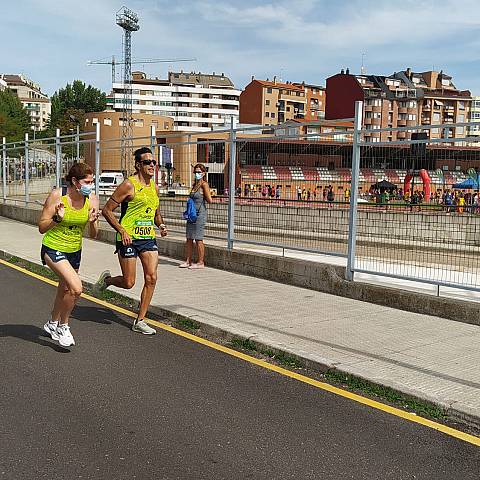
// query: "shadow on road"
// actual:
[[101, 315], [30, 333]]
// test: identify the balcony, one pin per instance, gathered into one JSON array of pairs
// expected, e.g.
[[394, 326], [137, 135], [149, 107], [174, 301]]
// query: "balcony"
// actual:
[[402, 110], [377, 109], [402, 123], [368, 108], [367, 121]]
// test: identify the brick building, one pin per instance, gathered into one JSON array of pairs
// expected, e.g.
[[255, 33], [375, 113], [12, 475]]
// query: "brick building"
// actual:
[[403, 99], [265, 102]]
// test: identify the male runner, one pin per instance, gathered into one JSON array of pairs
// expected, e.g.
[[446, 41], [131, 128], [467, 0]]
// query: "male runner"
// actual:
[[138, 197]]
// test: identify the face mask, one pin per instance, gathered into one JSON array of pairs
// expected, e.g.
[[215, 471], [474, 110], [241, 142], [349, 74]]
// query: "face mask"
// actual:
[[198, 176], [86, 190]]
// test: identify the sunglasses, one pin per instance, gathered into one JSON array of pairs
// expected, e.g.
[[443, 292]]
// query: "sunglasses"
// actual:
[[149, 162]]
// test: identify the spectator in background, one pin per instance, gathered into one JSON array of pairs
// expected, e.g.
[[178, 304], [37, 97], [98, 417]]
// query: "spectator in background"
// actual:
[[299, 193], [277, 192], [325, 193], [200, 194], [264, 191], [330, 196], [460, 202]]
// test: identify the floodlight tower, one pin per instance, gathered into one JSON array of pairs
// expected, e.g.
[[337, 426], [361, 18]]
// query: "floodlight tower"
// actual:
[[128, 20]]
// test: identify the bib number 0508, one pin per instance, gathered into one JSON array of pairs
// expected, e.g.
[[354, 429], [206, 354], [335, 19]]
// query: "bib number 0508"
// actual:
[[142, 231]]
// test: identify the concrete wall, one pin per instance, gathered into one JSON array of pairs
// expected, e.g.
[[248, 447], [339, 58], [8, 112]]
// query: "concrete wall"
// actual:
[[311, 275]]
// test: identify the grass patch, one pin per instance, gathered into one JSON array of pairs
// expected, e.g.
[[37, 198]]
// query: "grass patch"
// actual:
[[111, 297], [243, 344], [32, 267], [385, 393], [186, 324], [280, 358]]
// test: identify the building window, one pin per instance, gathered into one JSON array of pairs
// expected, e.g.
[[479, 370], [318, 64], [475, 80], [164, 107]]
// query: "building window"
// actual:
[[107, 121], [267, 102], [267, 114], [269, 90], [273, 115]]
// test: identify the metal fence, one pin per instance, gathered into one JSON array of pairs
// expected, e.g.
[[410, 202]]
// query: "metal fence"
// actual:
[[304, 188]]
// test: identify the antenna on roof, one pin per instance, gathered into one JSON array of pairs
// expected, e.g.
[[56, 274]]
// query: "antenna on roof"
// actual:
[[363, 70]]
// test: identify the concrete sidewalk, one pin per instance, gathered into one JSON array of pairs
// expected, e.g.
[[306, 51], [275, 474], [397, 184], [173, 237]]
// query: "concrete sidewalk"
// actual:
[[434, 359]]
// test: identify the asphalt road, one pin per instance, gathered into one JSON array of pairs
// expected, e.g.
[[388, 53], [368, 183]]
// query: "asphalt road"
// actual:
[[119, 405]]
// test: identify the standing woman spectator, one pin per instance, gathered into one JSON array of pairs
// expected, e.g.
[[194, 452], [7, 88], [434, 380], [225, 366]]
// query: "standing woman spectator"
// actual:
[[200, 194]]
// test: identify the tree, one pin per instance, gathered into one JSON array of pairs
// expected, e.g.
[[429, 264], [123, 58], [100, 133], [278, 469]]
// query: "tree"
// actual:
[[70, 104], [14, 119]]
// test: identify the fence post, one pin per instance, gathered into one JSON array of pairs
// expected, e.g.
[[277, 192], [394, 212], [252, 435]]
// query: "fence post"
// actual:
[[97, 159], [352, 219], [193, 163], [77, 140], [4, 168], [231, 186], [27, 171], [58, 159]]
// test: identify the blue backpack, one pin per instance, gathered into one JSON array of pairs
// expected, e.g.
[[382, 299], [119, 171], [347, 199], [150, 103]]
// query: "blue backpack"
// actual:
[[190, 214]]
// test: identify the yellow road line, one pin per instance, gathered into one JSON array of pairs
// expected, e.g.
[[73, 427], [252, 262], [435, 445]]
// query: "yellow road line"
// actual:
[[474, 440]]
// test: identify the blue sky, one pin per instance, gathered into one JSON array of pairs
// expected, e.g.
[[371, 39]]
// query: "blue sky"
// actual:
[[51, 41]]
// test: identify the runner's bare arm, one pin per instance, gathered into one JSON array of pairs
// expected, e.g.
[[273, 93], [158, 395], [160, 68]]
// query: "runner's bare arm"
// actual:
[[124, 191], [52, 205], [93, 215]]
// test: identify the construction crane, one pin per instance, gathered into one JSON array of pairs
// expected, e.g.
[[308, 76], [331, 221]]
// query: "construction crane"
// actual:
[[137, 61], [128, 20]]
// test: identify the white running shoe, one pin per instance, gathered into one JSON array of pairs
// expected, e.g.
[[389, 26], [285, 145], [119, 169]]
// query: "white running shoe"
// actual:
[[141, 326], [100, 285], [51, 328], [65, 338]]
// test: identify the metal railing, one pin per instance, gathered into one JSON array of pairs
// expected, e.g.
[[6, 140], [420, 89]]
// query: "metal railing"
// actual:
[[286, 187]]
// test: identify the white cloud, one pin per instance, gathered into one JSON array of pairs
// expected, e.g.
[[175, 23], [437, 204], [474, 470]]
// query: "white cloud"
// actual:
[[301, 40]]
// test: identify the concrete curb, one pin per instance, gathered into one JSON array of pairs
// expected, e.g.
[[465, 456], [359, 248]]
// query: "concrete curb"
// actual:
[[320, 365]]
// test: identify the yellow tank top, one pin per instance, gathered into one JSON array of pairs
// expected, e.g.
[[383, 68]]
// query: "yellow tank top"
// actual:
[[138, 215], [67, 235]]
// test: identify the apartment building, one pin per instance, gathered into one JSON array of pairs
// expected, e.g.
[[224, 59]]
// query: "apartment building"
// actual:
[[3, 85], [196, 102], [33, 99], [265, 102], [403, 99], [315, 102], [474, 131]]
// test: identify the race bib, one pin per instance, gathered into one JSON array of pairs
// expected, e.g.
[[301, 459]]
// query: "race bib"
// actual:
[[144, 228]]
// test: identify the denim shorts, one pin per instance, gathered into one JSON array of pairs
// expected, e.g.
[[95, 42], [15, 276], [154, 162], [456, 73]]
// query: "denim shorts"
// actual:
[[56, 256], [136, 247]]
